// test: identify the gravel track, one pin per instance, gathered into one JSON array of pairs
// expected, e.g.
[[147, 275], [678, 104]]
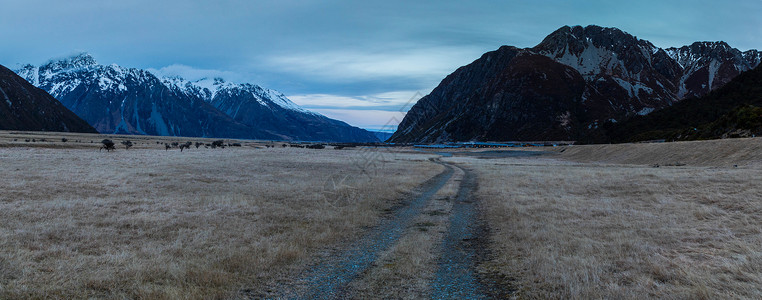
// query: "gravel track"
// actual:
[[456, 277]]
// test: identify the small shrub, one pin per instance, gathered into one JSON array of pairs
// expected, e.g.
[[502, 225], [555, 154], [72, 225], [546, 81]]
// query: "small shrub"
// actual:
[[108, 145], [218, 143]]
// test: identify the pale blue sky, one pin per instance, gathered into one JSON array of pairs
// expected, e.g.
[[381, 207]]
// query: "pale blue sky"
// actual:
[[358, 61]]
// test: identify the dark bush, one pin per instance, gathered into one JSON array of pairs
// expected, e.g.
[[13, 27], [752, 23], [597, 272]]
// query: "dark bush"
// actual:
[[127, 145], [64, 140], [108, 145], [185, 146]]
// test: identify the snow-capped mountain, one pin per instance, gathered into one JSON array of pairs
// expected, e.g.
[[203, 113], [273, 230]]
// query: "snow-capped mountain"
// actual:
[[25, 107], [122, 100], [566, 86], [267, 109]]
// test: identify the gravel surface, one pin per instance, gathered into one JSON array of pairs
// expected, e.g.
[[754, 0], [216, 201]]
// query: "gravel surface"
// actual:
[[456, 277]]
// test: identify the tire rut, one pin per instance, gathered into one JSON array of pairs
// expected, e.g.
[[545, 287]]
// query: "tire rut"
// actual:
[[456, 277], [330, 278]]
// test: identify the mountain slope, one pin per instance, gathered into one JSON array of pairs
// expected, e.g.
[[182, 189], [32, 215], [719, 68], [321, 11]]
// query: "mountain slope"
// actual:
[[266, 109], [730, 109], [25, 107], [132, 101], [591, 75]]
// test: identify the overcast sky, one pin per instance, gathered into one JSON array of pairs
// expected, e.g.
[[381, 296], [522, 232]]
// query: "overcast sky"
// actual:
[[358, 61]]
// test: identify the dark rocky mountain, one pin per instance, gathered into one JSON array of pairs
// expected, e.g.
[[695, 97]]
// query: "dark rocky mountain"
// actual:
[[733, 110], [132, 101], [26, 107], [564, 88]]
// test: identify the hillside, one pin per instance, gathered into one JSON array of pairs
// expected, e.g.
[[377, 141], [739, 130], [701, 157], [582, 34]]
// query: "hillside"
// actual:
[[25, 107], [730, 111]]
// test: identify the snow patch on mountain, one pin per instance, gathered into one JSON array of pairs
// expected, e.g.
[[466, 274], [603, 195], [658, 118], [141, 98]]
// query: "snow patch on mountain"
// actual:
[[209, 88]]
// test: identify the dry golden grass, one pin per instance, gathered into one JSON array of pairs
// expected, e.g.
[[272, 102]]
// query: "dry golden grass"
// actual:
[[729, 152], [150, 224], [592, 230]]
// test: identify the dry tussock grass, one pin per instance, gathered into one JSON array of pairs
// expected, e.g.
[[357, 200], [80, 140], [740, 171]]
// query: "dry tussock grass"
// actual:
[[591, 231], [729, 152], [165, 225]]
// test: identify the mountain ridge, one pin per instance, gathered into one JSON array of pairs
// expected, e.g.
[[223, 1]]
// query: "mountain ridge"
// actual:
[[116, 99]]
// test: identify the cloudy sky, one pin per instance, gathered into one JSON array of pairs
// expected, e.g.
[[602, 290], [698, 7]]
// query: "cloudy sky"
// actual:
[[358, 61]]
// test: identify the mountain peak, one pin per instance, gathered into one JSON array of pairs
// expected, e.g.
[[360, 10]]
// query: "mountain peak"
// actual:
[[708, 44], [575, 39], [80, 60]]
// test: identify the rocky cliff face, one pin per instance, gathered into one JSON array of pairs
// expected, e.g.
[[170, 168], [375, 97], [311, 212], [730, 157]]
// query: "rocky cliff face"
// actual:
[[565, 87], [25, 107], [133, 101]]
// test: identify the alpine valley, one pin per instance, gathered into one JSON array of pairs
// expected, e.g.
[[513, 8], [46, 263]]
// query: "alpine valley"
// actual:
[[569, 85], [119, 100]]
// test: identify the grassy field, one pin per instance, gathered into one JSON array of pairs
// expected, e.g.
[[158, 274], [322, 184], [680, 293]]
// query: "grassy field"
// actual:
[[570, 230], [205, 223], [631, 221]]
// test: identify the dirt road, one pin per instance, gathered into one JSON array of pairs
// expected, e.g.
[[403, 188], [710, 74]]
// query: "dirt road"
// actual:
[[426, 248]]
